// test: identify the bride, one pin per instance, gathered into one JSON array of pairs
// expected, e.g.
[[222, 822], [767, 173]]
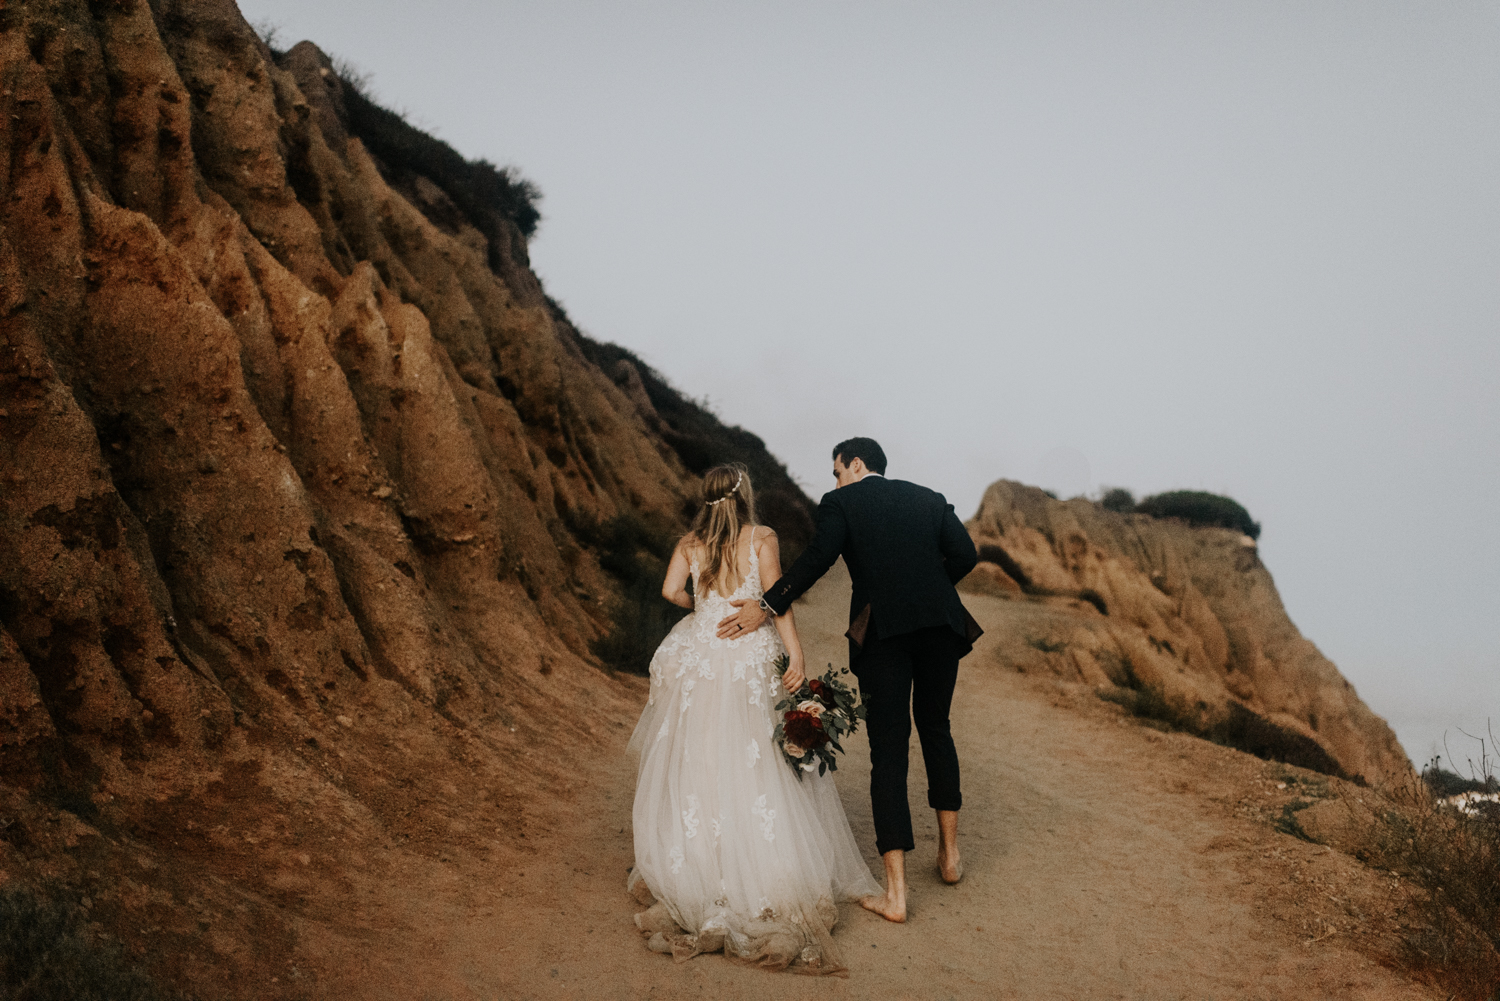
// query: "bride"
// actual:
[[740, 854]]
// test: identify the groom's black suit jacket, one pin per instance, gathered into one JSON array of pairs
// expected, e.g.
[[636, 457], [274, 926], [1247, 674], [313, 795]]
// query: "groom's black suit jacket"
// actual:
[[905, 549]]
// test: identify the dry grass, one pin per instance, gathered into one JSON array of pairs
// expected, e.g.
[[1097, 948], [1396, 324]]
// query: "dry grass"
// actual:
[[1454, 856]]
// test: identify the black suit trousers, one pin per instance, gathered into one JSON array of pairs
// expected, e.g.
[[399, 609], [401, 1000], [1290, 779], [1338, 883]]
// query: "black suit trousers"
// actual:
[[902, 678]]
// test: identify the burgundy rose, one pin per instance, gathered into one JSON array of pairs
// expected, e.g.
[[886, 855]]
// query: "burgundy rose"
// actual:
[[804, 730], [822, 692]]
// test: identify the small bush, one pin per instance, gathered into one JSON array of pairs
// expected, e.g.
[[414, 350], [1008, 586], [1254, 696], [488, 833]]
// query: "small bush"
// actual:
[[1455, 859], [484, 192], [1199, 508], [1287, 822], [1445, 783], [47, 955], [270, 33], [635, 552], [1117, 499]]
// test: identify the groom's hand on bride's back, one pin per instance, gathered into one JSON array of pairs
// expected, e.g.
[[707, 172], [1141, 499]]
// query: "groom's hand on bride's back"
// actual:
[[749, 618]]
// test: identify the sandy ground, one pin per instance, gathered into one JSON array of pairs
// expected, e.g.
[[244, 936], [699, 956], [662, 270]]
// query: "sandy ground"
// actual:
[[1104, 860]]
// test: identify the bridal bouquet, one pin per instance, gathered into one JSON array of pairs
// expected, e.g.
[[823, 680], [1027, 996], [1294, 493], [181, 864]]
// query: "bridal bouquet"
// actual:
[[813, 719]]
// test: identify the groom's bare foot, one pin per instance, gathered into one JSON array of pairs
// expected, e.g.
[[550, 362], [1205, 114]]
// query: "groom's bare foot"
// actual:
[[950, 864], [891, 910], [891, 904]]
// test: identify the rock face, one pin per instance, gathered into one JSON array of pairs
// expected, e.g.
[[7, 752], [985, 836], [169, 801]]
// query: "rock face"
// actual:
[[296, 476], [1188, 613]]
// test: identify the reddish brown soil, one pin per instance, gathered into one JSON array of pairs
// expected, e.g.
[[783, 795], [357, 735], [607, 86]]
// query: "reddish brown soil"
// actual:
[[1104, 860]]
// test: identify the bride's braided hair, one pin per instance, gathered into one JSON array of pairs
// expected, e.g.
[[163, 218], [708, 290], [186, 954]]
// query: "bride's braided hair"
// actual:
[[728, 506]]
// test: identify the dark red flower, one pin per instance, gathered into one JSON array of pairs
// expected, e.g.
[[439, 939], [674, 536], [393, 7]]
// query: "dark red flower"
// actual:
[[804, 730], [822, 692]]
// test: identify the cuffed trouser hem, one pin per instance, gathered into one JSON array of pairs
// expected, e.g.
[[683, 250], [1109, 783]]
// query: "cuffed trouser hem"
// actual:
[[906, 846], [892, 818], [945, 803]]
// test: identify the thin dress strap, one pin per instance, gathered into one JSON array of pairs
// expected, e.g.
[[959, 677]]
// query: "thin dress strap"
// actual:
[[754, 559]]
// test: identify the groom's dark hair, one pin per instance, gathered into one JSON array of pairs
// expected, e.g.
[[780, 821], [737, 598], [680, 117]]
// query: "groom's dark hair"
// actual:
[[867, 449]]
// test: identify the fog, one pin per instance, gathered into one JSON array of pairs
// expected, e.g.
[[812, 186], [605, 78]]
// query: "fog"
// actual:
[[1242, 247]]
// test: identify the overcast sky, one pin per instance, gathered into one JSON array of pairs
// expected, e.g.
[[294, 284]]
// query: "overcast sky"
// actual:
[[1245, 247]]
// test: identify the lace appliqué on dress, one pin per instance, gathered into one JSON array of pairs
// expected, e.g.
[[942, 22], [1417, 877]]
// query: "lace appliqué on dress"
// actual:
[[767, 818]]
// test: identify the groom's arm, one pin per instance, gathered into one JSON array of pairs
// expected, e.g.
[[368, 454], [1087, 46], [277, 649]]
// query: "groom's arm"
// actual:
[[827, 543], [959, 555], [820, 554]]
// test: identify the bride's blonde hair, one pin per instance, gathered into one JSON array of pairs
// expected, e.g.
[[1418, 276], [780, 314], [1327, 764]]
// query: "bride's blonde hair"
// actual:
[[728, 506]]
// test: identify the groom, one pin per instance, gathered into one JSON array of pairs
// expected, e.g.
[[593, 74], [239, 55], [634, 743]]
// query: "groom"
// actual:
[[905, 549]]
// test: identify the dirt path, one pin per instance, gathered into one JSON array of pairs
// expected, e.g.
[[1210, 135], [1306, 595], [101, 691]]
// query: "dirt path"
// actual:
[[1104, 860]]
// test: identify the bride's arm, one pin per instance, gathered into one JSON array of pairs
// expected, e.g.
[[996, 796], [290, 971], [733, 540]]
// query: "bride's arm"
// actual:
[[768, 550], [674, 588], [795, 674]]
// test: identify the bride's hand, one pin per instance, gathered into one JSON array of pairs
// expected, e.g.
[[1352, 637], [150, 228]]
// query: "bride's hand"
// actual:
[[794, 677]]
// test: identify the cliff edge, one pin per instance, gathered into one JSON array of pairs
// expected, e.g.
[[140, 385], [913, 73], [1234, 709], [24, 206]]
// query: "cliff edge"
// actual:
[[1182, 622]]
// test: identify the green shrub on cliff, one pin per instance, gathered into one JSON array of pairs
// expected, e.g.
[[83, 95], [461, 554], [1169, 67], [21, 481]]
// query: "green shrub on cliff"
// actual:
[[1197, 507], [484, 192], [1443, 782], [1117, 499], [701, 441]]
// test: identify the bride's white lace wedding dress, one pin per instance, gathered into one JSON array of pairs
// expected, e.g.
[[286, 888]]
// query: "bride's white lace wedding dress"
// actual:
[[739, 854]]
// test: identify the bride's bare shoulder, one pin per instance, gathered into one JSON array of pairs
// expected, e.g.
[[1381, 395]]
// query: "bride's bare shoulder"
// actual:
[[761, 535]]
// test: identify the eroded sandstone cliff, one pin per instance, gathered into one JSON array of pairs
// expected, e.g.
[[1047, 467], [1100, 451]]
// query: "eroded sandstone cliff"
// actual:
[[1188, 616], [298, 478]]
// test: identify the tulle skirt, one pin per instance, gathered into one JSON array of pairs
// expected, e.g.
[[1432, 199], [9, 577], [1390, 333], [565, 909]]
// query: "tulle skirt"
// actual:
[[740, 854]]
